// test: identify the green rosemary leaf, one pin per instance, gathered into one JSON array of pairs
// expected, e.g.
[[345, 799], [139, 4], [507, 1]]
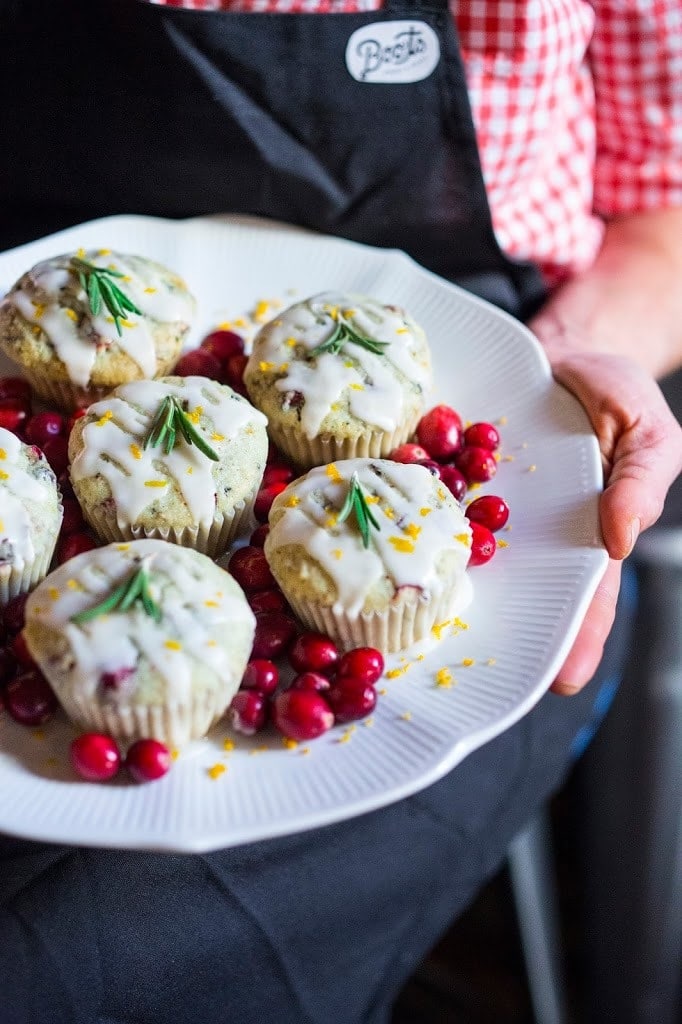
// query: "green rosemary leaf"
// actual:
[[356, 502], [148, 603], [170, 439], [160, 424], [100, 288], [345, 333], [136, 588], [94, 294], [109, 604], [133, 591], [192, 435], [171, 420]]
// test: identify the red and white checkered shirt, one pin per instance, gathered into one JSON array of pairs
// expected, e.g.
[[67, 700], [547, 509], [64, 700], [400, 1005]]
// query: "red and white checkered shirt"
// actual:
[[578, 112]]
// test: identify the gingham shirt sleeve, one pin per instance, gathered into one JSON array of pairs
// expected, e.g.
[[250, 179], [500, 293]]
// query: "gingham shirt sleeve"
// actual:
[[636, 60]]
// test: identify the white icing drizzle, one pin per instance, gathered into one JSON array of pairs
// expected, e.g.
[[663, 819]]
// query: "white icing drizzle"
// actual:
[[60, 308], [376, 394], [17, 486], [418, 522], [113, 444], [195, 615]]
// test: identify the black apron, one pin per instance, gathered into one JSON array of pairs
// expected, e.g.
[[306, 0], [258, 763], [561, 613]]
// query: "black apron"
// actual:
[[119, 107]]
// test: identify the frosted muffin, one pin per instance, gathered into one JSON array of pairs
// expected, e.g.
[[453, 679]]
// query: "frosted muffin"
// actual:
[[179, 459], [371, 552], [30, 516], [339, 376], [80, 324], [141, 640]]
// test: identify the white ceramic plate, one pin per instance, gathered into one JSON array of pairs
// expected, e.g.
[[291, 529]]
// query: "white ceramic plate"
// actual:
[[528, 601]]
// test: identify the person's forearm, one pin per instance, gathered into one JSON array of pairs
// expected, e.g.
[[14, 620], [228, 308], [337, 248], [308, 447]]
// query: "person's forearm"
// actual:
[[629, 302]]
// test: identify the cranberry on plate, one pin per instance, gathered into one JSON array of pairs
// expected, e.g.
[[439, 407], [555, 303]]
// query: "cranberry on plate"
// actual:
[[489, 510], [313, 652], [483, 544], [95, 756], [301, 714], [148, 760], [440, 432]]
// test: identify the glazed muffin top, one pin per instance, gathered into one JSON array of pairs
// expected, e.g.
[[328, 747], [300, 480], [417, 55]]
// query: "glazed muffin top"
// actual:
[[63, 303], [30, 509], [188, 628], [335, 356], [415, 535], [114, 457]]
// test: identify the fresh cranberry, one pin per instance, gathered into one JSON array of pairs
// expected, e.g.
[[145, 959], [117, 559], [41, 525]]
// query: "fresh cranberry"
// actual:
[[455, 481], [248, 712], [351, 698], [223, 344], [95, 757], [116, 679], [14, 612], [366, 663], [8, 666], [477, 464], [483, 544], [44, 425], [313, 652], [29, 699], [277, 473], [148, 760], [15, 387], [440, 432], [73, 517], [198, 363], [489, 511], [264, 500], [301, 714], [433, 467], [274, 454], [74, 544], [250, 568], [257, 538], [56, 451], [14, 414], [311, 681], [261, 675], [267, 601], [20, 650], [274, 633], [408, 453], [233, 371], [482, 435], [75, 415]]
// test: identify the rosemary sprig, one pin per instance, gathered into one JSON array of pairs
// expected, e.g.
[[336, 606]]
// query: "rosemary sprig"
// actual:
[[342, 334], [136, 588], [100, 286], [171, 420], [356, 502]]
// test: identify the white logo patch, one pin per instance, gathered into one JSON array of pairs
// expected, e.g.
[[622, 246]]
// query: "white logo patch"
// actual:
[[390, 52]]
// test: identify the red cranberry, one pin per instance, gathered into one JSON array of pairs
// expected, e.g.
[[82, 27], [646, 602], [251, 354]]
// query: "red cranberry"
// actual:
[[261, 675], [95, 757], [29, 699], [366, 663], [264, 500], [311, 681], [13, 613], [433, 467], [351, 698], [73, 545], [257, 539], [233, 371], [408, 453], [76, 415], [56, 451], [148, 760], [114, 680], [21, 652], [454, 481], [313, 652], [14, 414], [301, 714], [15, 387], [277, 473], [440, 432], [482, 435], [44, 425], [223, 344], [489, 511], [274, 633], [267, 601], [198, 363], [483, 544], [8, 666], [477, 464], [250, 568], [73, 517], [248, 712]]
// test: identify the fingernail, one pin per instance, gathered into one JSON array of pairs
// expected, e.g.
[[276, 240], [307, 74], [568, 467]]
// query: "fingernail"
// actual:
[[635, 527]]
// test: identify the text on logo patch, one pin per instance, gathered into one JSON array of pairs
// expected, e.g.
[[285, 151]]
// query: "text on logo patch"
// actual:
[[390, 52]]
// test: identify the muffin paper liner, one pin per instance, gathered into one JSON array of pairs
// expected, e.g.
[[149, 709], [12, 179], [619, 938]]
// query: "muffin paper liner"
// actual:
[[402, 624], [69, 396], [325, 448], [21, 582]]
